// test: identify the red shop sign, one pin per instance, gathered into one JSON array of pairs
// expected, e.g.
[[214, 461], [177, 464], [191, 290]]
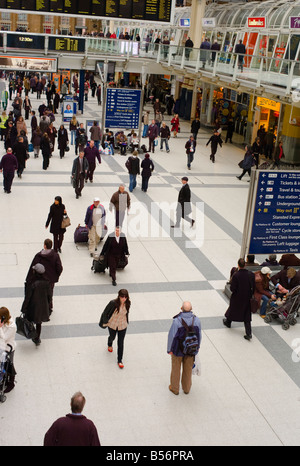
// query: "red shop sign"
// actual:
[[256, 22]]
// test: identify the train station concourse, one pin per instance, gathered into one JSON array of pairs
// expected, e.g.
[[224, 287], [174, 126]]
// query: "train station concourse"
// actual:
[[246, 392]]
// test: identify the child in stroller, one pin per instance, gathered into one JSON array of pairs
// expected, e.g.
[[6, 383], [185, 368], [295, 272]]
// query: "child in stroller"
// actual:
[[7, 373], [285, 307]]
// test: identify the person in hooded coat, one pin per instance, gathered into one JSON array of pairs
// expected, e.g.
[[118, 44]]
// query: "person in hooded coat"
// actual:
[[37, 302], [51, 261]]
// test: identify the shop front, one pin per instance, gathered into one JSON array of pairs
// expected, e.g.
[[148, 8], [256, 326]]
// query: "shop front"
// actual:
[[269, 114]]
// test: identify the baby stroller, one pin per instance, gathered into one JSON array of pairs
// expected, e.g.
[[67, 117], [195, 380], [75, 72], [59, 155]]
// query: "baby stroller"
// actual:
[[5, 372], [285, 309]]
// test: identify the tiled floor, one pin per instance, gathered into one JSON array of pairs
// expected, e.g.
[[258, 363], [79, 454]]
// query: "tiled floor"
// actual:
[[248, 392]]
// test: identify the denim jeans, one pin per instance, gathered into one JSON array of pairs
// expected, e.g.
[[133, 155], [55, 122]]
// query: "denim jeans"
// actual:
[[164, 140], [263, 307], [145, 131], [73, 135], [190, 158], [132, 182]]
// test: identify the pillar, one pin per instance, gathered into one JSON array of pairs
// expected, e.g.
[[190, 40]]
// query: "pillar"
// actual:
[[210, 104], [197, 13]]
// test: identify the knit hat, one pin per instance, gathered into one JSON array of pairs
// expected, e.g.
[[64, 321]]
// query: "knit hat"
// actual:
[[266, 270], [39, 268]]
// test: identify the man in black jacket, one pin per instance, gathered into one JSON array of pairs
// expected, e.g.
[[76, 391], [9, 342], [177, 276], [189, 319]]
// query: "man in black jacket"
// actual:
[[133, 167], [115, 249], [184, 204], [241, 50], [79, 173]]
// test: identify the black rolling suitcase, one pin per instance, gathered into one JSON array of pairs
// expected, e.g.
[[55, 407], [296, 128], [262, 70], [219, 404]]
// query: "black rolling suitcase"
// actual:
[[122, 262], [99, 264]]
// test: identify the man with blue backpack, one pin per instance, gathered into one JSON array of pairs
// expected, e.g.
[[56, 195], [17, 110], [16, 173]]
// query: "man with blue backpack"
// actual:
[[183, 345]]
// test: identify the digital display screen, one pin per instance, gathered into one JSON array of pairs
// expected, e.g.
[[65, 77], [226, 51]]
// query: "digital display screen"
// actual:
[[147, 10], [56, 6], [14, 4], [23, 41], [125, 8], [98, 7]]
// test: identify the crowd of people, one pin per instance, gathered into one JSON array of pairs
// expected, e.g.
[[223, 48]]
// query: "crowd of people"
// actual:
[[46, 268]]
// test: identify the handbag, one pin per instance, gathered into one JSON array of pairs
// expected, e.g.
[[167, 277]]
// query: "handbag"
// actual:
[[25, 327], [240, 164], [67, 149], [254, 304], [66, 222], [30, 147]]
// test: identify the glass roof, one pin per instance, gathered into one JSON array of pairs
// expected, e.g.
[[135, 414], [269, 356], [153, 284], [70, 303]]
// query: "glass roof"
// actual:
[[235, 15]]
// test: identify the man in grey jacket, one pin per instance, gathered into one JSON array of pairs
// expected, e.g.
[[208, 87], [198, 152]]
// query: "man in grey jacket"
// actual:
[[178, 348]]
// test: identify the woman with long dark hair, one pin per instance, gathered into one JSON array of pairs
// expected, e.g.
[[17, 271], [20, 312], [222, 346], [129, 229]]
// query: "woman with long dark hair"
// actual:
[[115, 317], [55, 216]]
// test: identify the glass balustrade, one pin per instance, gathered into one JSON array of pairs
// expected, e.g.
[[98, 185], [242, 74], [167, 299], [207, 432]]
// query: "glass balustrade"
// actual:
[[256, 68]]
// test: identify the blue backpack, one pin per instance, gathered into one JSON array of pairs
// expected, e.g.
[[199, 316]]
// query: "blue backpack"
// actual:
[[190, 342]]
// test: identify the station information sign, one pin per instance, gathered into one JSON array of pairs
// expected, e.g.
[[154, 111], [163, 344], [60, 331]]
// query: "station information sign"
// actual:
[[276, 217], [147, 10], [122, 108], [66, 44]]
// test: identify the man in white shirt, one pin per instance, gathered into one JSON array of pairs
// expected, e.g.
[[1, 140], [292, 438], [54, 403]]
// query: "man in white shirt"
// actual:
[[95, 222]]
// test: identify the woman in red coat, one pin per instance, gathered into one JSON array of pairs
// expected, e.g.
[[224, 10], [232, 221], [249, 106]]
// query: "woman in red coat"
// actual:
[[175, 125]]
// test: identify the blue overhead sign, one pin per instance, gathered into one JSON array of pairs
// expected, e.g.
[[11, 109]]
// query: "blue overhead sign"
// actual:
[[122, 108], [276, 218]]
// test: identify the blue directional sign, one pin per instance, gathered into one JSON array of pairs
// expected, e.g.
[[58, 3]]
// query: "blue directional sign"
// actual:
[[122, 108], [276, 219]]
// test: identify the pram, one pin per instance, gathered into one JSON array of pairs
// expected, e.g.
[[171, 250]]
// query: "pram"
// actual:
[[5, 371], [286, 309]]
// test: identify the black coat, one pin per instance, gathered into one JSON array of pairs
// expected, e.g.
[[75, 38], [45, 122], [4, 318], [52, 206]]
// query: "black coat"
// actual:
[[52, 263], [147, 167], [55, 216], [62, 138], [184, 199], [107, 313], [215, 140], [45, 146], [112, 247], [20, 152], [195, 126], [242, 287], [37, 303]]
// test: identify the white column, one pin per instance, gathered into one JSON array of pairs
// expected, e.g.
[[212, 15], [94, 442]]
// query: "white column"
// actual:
[[197, 13]]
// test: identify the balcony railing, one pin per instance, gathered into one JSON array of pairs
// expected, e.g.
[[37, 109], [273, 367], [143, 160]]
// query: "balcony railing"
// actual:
[[279, 74]]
